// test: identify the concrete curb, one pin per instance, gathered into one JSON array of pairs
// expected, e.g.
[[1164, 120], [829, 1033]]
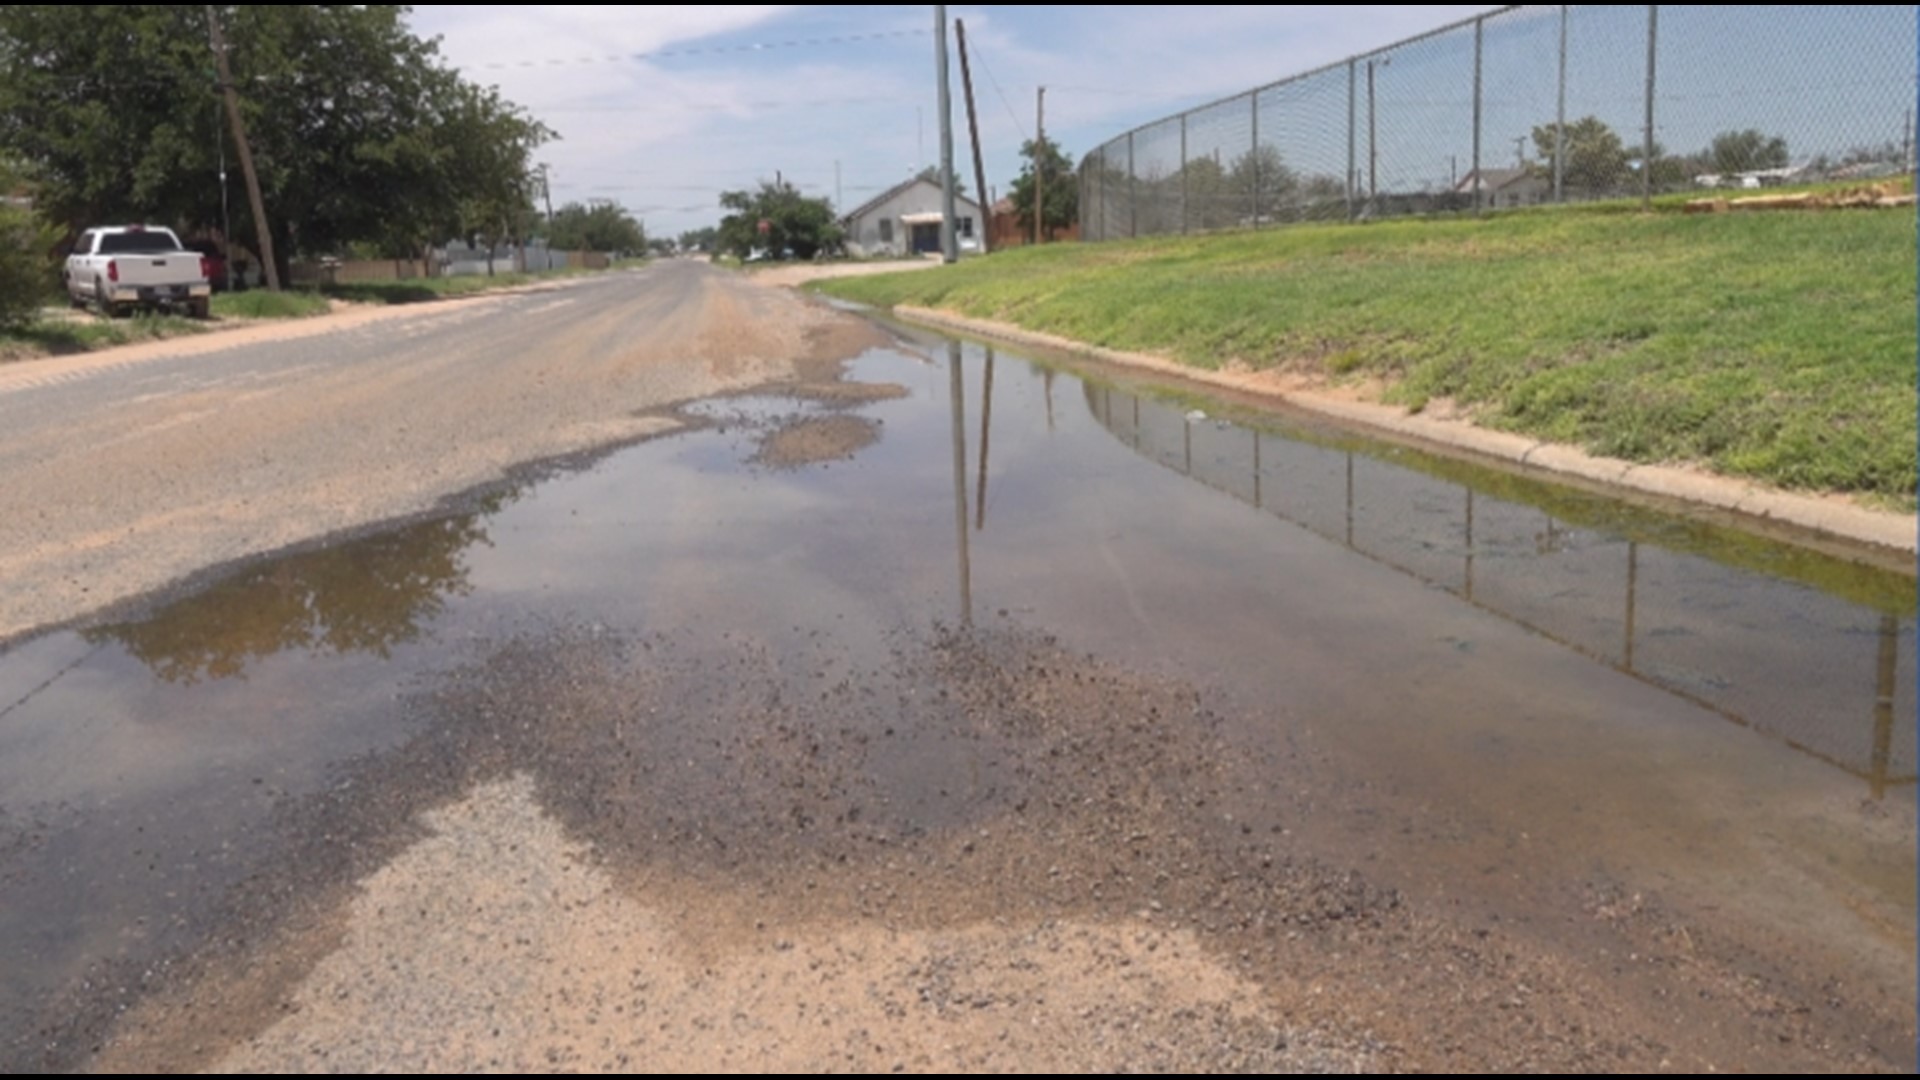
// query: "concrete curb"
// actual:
[[1826, 517]]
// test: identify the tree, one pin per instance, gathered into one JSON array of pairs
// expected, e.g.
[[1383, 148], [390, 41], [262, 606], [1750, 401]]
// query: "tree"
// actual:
[[1210, 200], [931, 174], [26, 271], [600, 225], [1746, 151], [1597, 161], [1062, 188], [358, 130], [794, 222], [700, 239], [1262, 182]]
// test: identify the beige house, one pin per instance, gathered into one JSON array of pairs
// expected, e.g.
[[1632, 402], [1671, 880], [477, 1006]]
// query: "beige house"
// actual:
[[1506, 187]]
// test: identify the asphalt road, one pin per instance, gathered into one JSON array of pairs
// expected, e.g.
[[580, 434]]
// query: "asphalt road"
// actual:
[[128, 470]]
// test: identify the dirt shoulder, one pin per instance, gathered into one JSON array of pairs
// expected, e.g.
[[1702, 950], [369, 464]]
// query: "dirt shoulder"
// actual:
[[1826, 517]]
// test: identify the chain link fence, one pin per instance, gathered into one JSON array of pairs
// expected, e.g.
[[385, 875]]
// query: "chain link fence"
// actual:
[[1527, 105]]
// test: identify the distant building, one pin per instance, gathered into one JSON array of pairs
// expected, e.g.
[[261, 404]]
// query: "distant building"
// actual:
[[905, 220], [1007, 232], [1506, 187]]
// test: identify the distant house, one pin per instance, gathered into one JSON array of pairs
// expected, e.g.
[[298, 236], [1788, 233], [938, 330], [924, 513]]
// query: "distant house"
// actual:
[[1506, 187], [906, 220]]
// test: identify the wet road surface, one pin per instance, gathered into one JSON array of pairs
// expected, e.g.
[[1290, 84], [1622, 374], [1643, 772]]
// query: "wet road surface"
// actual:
[[976, 714]]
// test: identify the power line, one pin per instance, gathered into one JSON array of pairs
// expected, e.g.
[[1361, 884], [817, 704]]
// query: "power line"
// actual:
[[1002, 94]]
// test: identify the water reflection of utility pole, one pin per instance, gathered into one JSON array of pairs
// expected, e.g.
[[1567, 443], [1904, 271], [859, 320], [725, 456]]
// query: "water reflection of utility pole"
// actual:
[[1469, 545], [1259, 502], [1883, 703], [1349, 498], [1187, 430], [986, 428], [958, 393], [1136, 423], [1048, 379], [1633, 589]]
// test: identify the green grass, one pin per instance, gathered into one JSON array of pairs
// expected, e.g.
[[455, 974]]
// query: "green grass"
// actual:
[[53, 337], [425, 290], [259, 304], [1774, 345]]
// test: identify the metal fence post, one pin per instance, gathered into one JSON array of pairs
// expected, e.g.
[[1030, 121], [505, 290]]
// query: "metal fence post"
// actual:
[[1253, 156], [1352, 92], [1185, 198], [1085, 205], [1560, 120], [1133, 191], [1646, 159], [1479, 48]]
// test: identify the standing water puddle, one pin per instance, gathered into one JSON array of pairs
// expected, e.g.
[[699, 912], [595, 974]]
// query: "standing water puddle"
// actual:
[[1563, 682]]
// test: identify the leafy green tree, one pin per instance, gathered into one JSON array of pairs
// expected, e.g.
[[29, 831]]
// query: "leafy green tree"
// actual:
[[1062, 187], [931, 174], [1746, 151], [1210, 197], [359, 132], [26, 244], [1597, 161], [599, 225], [1262, 182], [700, 239], [805, 226]]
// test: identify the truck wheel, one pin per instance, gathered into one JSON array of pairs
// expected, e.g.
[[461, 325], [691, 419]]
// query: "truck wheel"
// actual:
[[101, 304]]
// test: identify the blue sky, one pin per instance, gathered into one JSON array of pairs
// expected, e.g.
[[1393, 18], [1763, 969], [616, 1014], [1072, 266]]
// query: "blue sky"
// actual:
[[665, 135]]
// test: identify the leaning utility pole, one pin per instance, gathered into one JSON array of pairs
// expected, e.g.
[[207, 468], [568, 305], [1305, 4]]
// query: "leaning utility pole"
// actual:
[[1039, 169], [973, 128], [949, 225], [268, 267]]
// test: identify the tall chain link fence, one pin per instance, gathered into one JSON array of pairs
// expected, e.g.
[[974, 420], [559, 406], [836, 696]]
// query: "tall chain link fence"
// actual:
[[1526, 105]]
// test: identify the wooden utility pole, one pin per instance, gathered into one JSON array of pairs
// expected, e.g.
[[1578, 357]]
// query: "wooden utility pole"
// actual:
[[1040, 170], [268, 267], [546, 192], [973, 128]]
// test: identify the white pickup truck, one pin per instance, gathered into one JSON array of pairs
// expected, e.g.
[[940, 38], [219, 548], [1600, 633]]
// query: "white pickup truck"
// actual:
[[121, 268]]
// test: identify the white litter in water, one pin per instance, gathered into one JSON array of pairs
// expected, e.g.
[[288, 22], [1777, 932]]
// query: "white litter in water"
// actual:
[[1196, 416]]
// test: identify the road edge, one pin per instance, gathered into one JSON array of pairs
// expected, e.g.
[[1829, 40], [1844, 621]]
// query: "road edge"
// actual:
[[1825, 516]]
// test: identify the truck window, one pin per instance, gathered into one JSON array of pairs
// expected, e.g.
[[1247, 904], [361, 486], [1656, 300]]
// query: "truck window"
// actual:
[[137, 243]]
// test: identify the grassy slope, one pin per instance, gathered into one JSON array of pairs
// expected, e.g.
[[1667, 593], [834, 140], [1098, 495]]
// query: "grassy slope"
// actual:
[[1774, 345]]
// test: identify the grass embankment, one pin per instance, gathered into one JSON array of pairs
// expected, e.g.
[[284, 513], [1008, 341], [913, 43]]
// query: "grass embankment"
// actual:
[[1779, 346], [59, 335]]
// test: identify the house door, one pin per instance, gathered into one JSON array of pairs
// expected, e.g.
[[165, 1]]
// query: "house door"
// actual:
[[926, 239]]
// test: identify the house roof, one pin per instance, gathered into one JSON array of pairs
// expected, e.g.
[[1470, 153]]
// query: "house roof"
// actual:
[[868, 206], [1493, 179]]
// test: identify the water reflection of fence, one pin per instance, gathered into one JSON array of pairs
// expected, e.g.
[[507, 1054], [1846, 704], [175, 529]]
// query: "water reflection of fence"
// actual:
[[1833, 678]]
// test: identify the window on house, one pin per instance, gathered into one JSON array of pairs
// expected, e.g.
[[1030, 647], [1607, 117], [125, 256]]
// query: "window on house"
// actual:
[[966, 228], [886, 230]]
